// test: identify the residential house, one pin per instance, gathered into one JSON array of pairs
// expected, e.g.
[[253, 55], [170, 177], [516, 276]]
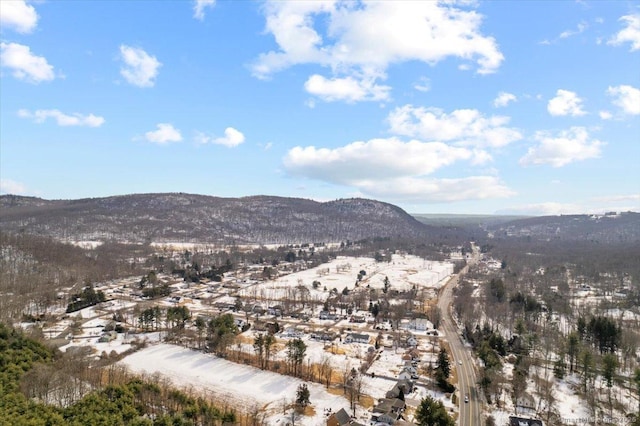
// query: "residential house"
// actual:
[[405, 384], [323, 336], [275, 310], [412, 341], [292, 333], [387, 418], [356, 338], [341, 418], [390, 405], [519, 421], [420, 324], [326, 315]]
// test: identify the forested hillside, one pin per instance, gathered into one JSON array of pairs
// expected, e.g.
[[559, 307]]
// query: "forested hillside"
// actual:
[[40, 387], [205, 219]]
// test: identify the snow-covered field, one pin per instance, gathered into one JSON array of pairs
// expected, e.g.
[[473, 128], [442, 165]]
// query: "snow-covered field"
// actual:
[[236, 384], [404, 272]]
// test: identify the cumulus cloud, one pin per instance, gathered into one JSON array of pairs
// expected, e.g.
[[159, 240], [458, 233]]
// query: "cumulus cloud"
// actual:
[[24, 64], [503, 99], [231, 138], [629, 34], [378, 157], [199, 6], [464, 127], [404, 31], [347, 89], [8, 186], [394, 169], [559, 150], [565, 103], [18, 15], [427, 190], [605, 115], [164, 134], [626, 97], [139, 68], [74, 119]]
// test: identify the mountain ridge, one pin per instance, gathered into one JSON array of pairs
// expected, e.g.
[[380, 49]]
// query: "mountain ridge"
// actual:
[[192, 217]]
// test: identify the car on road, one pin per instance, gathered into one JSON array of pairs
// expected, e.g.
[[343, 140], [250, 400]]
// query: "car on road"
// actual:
[[466, 398], [459, 362]]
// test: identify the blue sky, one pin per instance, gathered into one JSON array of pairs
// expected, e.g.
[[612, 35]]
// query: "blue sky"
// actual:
[[438, 107]]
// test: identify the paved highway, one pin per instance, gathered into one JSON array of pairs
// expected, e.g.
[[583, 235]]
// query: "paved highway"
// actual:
[[470, 412]]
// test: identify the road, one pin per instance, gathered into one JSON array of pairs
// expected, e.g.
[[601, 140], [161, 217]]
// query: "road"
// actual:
[[470, 412]]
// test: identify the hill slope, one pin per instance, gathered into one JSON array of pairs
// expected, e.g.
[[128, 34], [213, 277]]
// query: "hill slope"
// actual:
[[191, 218], [609, 228]]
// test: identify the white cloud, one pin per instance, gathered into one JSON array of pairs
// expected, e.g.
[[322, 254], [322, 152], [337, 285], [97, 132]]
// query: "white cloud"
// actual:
[[503, 99], [559, 150], [579, 29], [231, 138], [605, 115], [165, 134], [631, 33], [19, 15], [8, 186], [199, 6], [465, 127], [74, 119], [626, 97], [423, 85], [425, 190], [404, 31], [393, 169], [379, 158], [565, 103], [25, 65], [347, 89], [140, 68]]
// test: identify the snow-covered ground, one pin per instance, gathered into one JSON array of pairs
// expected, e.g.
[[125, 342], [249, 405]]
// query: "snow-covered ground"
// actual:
[[404, 272], [238, 385]]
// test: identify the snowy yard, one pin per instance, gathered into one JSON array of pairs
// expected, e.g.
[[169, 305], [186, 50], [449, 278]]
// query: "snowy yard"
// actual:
[[236, 384]]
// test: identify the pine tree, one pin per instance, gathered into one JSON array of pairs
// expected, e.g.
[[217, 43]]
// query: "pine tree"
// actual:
[[432, 413], [302, 395]]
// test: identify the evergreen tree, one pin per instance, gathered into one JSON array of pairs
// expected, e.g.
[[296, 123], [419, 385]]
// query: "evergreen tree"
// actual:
[[559, 367], [258, 346], [442, 364], [573, 348], [609, 366], [296, 350], [302, 395], [432, 413]]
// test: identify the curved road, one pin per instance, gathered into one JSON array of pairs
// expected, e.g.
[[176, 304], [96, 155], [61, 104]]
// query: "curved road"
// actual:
[[470, 412]]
